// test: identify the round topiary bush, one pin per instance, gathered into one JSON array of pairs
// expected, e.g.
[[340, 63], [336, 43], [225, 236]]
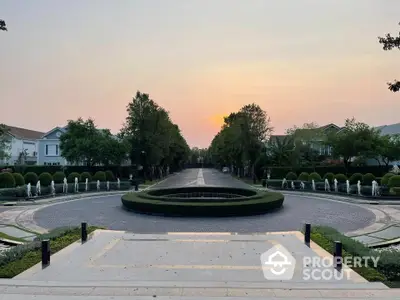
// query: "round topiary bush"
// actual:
[[19, 179], [394, 181], [330, 176], [385, 178], [368, 178], [303, 176], [291, 176], [110, 176], [314, 176], [7, 180], [71, 177], [85, 175], [31, 178], [355, 178], [100, 175], [58, 177], [341, 178], [45, 179]]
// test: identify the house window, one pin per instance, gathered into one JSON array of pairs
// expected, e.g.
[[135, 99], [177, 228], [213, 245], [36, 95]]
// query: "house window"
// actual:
[[52, 150]]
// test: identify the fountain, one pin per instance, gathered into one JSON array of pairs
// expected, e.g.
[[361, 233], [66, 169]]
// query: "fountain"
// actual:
[[108, 185], [65, 185], [52, 188], [76, 185], [292, 185], [29, 190], [313, 185], [302, 185], [86, 184], [375, 188], [130, 177], [118, 183], [327, 185], [348, 186], [284, 183], [359, 188], [38, 188], [98, 185], [335, 182]]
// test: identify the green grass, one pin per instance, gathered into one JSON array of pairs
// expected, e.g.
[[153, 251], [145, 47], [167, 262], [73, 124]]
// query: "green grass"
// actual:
[[23, 257]]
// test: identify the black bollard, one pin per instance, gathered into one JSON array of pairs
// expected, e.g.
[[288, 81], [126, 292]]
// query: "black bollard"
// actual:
[[307, 234], [84, 232], [136, 186], [45, 253], [337, 256]]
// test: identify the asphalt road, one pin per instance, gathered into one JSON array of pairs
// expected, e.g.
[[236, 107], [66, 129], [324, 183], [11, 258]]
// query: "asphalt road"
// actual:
[[108, 212]]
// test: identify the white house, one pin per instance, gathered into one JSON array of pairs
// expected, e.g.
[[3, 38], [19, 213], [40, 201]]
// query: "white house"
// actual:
[[23, 145]]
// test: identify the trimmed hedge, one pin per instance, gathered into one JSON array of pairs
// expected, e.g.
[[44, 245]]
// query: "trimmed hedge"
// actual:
[[329, 176], [45, 179], [22, 257], [368, 178], [355, 178], [109, 176], [291, 176], [58, 177], [394, 181], [19, 179], [7, 180], [341, 178], [303, 176], [71, 177], [249, 202], [85, 175], [31, 178], [314, 176], [99, 176]]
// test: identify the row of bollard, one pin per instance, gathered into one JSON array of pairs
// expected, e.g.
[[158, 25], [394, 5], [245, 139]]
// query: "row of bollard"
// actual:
[[337, 253], [46, 252]]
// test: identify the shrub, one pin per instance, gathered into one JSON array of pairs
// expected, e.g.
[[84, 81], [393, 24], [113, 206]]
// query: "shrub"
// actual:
[[355, 178], [341, 178], [394, 181], [395, 191], [71, 177], [368, 178], [100, 175], [329, 176], [385, 178], [7, 180], [58, 177], [291, 176], [85, 175], [45, 178], [19, 179], [315, 176], [31, 178], [303, 176], [110, 176]]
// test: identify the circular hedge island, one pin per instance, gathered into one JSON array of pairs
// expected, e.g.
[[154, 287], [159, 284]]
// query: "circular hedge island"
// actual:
[[202, 201]]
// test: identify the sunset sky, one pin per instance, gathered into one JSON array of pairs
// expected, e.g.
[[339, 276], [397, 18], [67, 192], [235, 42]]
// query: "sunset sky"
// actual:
[[300, 60]]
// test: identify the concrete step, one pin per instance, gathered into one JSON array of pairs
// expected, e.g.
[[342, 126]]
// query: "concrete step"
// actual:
[[25, 289]]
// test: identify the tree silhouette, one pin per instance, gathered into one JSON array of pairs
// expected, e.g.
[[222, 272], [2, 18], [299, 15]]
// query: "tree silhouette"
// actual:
[[3, 26], [389, 42]]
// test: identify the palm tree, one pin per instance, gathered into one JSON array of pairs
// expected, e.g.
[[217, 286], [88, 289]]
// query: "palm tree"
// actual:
[[281, 150]]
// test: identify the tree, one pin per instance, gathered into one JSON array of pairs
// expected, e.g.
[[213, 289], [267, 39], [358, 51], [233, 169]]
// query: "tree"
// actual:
[[5, 144], [112, 150], [155, 142], [356, 139], [280, 150], [389, 42], [389, 149], [3, 26]]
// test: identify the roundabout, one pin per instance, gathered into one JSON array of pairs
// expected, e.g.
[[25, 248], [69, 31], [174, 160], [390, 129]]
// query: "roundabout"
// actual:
[[203, 201], [108, 211]]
